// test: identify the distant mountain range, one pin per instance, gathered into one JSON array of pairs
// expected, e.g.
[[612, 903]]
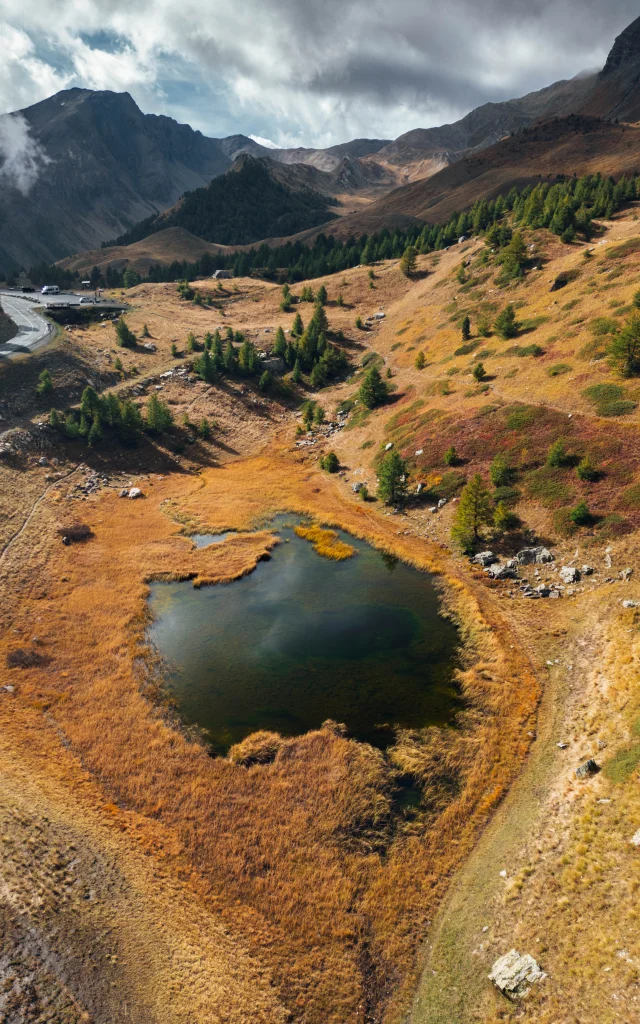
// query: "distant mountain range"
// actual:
[[108, 170]]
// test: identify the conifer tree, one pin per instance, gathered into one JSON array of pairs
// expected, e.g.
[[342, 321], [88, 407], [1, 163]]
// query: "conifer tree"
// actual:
[[466, 329], [392, 486], [409, 261], [474, 511], [124, 335], [280, 343], [321, 295], [296, 376], [298, 327], [624, 348], [373, 390], [45, 383], [505, 324]]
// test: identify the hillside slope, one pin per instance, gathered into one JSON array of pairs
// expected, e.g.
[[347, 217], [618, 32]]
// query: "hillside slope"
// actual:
[[573, 145]]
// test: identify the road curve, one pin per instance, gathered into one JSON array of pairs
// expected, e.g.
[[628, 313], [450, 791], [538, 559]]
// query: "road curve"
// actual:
[[34, 330]]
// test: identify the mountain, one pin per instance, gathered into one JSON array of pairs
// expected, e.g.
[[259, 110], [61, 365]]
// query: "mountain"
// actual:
[[615, 93], [257, 198], [108, 165], [483, 127], [105, 166]]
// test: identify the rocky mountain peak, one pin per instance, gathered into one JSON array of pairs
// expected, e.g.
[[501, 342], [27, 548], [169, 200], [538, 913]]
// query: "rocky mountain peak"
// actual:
[[625, 50]]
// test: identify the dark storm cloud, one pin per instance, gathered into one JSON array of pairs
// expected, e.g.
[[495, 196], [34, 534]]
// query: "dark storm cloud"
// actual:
[[311, 71]]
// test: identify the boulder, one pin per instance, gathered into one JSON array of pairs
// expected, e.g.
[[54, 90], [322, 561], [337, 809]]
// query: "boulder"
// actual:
[[501, 572], [388, 447], [543, 590], [356, 488], [485, 558], [587, 570], [569, 575], [275, 364], [635, 840], [587, 769], [135, 492], [124, 493], [631, 604], [626, 574], [535, 556], [514, 974]]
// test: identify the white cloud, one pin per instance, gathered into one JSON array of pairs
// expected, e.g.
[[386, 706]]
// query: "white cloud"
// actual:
[[21, 159], [264, 142], [313, 71]]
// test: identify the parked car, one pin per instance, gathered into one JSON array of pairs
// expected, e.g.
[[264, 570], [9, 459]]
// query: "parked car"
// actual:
[[50, 289], [86, 301], [26, 288]]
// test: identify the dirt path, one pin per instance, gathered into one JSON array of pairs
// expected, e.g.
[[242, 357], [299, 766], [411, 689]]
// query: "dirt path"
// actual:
[[457, 957]]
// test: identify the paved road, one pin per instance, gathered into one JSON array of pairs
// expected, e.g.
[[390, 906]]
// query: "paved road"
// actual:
[[34, 330]]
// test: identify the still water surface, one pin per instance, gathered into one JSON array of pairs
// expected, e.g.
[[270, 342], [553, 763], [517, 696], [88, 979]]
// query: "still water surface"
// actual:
[[303, 639]]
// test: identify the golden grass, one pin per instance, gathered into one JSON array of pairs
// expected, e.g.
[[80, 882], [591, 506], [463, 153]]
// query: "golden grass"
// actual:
[[326, 542], [301, 855]]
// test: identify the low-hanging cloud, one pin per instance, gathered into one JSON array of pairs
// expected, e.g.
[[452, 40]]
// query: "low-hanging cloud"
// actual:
[[311, 72], [21, 158]]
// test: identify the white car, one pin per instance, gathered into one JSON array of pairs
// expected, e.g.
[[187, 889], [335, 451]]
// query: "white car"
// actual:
[[86, 301], [50, 289]]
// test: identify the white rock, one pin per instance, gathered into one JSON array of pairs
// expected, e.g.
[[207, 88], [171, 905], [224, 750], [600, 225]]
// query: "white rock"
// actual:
[[631, 604], [135, 492], [514, 974], [421, 452], [389, 446], [635, 840]]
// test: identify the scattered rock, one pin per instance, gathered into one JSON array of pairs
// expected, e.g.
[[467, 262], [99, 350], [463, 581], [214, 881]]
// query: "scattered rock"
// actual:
[[124, 492], [562, 746], [569, 575], [442, 502], [502, 572], [587, 570], [389, 446], [635, 840], [356, 488], [135, 492], [626, 574], [485, 558], [535, 556], [514, 974], [631, 604], [602, 745], [587, 769]]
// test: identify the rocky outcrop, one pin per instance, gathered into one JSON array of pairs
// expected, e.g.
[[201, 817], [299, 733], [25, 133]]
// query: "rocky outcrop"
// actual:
[[514, 974]]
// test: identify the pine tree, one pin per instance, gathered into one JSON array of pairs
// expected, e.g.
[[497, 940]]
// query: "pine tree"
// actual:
[[146, 333], [205, 429], [266, 381], [330, 463], [158, 416], [479, 372], [624, 347], [296, 376], [409, 261], [505, 324], [45, 383], [420, 361], [55, 420], [94, 436], [90, 401], [318, 377], [474, 511], [392, 485], [297, 329], [124, 335], [586, 470], [280, 343], [321, 295], [230, 358], [373, 390], [466, 329], [451, 457]]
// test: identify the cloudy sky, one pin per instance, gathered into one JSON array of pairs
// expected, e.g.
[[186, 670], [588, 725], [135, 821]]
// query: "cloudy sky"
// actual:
[[303, 72]]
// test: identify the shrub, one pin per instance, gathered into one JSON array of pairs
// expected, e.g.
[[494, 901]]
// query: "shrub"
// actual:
[[420, 361], [586, 470], [330, 463], [45, 383], [508, 495], [609, 400], [359, 323], [624, 347], [525, 350], [451, 457], [522, 417], [557, 455], [558, 369], [479, 372], [500, 472], [465, 350], [75, 532], [504, 519], [581, 515]]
